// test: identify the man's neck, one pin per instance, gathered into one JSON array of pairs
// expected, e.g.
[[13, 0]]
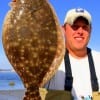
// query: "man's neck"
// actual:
[[78, 53]]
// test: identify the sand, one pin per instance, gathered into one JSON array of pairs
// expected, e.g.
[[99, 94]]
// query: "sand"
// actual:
[[11, 94]]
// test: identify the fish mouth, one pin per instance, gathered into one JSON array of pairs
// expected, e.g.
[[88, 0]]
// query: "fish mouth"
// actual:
[[13, 0]]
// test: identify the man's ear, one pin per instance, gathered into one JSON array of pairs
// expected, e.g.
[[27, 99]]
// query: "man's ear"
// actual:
[[90, 28], [63, 29]]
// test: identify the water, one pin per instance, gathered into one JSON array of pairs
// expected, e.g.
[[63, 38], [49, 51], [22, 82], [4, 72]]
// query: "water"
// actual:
[[9, 80]]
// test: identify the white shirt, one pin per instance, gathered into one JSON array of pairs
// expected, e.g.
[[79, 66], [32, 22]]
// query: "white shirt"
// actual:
[[81, 76]]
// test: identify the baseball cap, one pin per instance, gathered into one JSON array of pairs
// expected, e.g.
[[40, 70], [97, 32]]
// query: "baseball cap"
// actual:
[[73, 14]]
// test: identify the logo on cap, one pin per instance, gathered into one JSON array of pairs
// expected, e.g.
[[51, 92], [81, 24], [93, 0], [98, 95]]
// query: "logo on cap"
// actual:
[[79, 10]]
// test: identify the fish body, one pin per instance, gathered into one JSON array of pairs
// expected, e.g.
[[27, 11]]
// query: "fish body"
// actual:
[[34, 43]]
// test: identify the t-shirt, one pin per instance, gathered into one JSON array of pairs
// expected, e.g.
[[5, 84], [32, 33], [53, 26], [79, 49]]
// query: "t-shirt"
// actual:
[[81, 76]]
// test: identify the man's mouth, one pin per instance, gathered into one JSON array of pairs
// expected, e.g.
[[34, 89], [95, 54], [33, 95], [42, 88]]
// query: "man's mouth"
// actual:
[[79, 38]]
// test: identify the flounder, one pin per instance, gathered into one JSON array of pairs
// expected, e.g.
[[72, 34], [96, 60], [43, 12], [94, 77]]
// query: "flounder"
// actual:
[[33, 42]]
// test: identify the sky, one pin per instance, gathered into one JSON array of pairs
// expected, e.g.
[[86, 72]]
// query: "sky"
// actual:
[[60, 8]]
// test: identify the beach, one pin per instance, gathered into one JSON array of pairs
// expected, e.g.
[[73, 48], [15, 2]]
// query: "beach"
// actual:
[[11, 95]]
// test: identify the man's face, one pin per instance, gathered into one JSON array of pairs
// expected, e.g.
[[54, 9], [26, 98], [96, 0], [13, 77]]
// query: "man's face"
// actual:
[[77, 35]]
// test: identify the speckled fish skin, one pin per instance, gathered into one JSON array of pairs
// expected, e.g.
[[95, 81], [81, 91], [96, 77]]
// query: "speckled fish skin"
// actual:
[[34, 43]]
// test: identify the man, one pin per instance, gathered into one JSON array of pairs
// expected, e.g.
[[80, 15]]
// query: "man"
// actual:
[[79, 71]]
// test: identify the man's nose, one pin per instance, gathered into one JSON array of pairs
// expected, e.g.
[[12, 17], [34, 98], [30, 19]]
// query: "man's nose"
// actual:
[[80, 30]]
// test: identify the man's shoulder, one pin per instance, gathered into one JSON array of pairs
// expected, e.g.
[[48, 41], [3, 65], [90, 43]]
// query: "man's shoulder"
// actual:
[[95, 54]]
